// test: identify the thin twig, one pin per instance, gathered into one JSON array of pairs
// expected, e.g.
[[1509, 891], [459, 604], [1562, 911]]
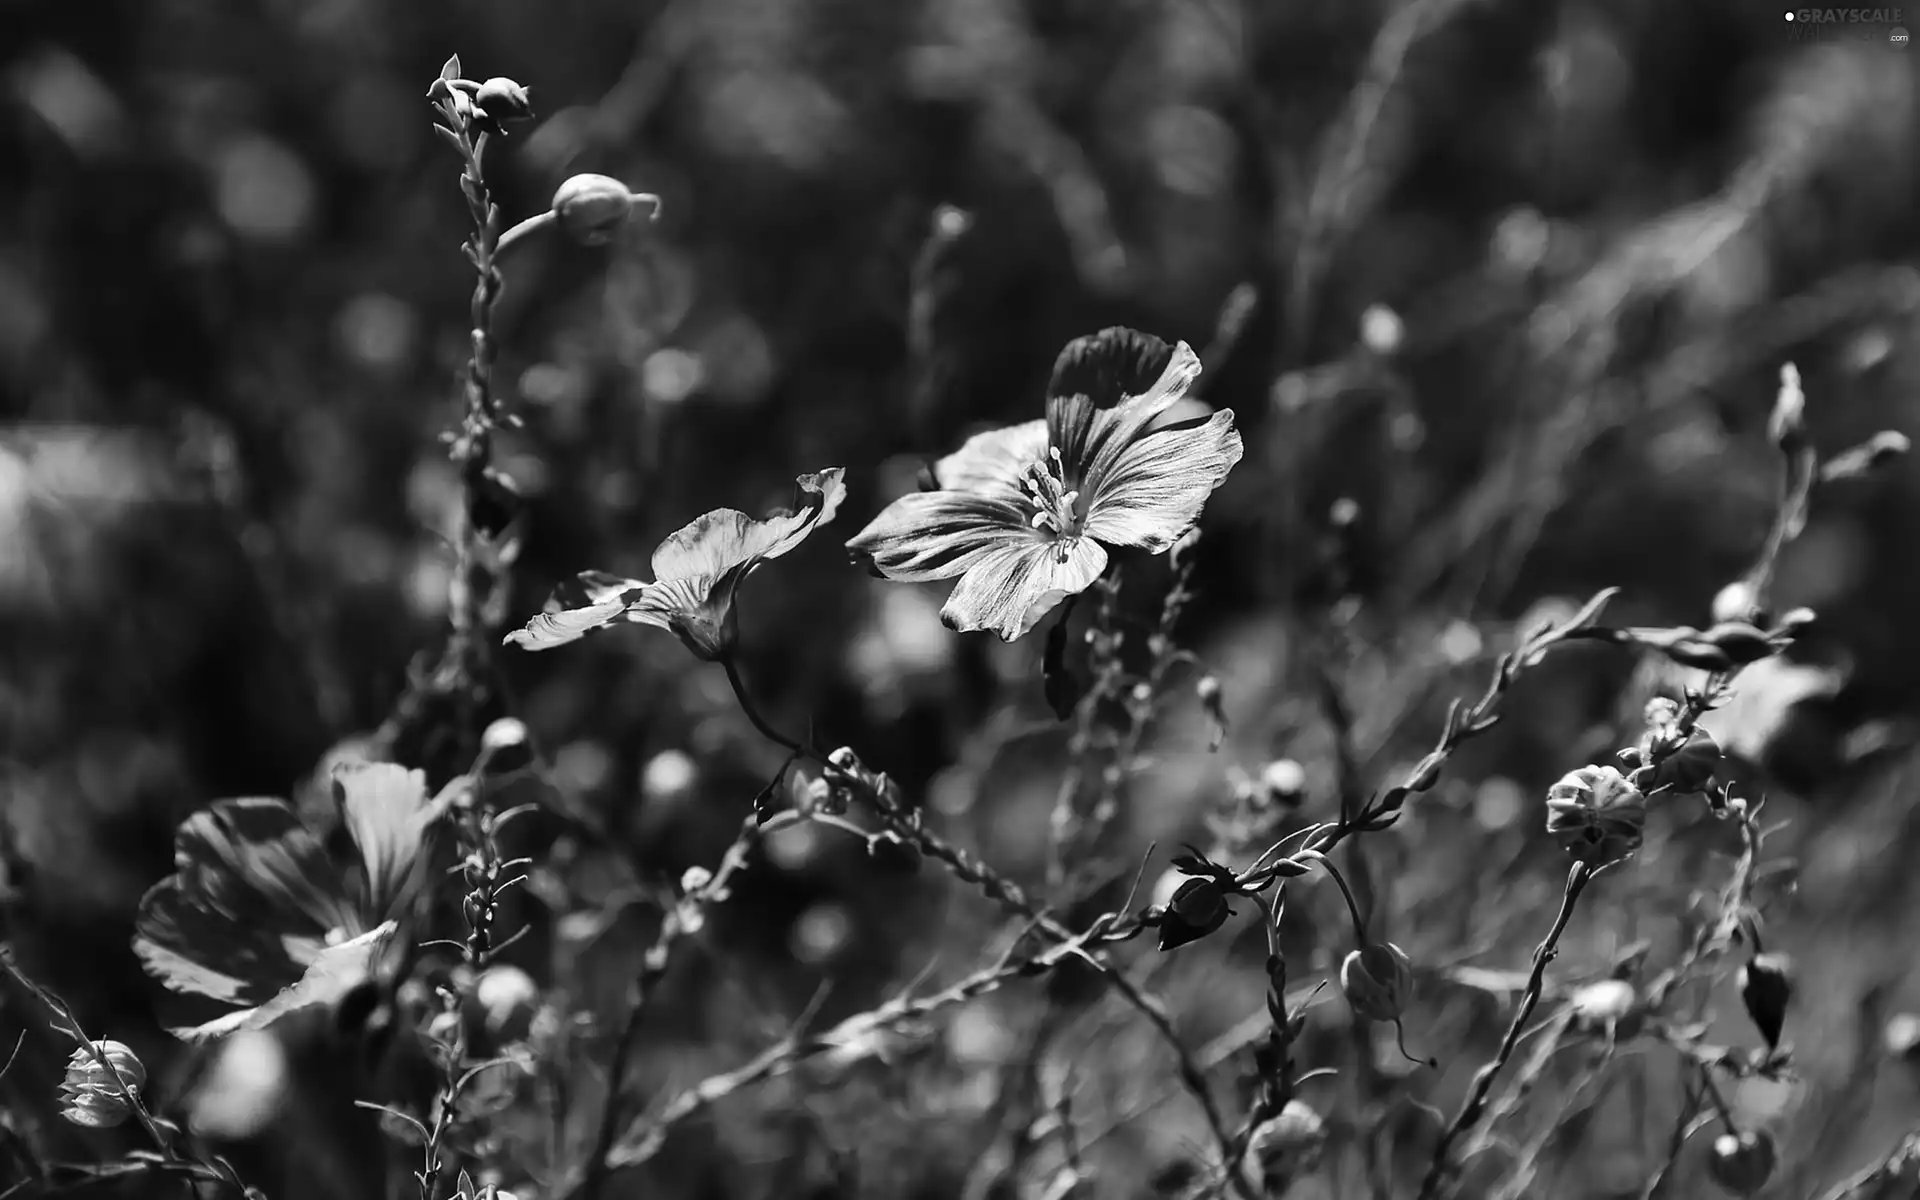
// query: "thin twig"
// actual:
[[1440, 1170]]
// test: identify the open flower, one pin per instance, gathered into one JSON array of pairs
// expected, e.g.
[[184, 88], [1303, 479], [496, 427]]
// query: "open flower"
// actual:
[[696, 572], [1023, 517], [262, 917]]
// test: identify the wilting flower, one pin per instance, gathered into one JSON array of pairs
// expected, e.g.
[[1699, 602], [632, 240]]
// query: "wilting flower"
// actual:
[[1596, 815], [90, 1097], [263, 917], [1023, 517], [696, 571]]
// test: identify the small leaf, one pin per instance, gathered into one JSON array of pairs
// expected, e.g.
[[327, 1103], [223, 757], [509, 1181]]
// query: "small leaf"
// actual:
[[1590, 611], [450, 70]]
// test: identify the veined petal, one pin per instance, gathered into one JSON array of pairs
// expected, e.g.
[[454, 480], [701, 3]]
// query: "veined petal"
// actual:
[[387, 812], [938, 535], [338, 970], [715, 542], [549, 629], [589, 601], [993, 464], [1156, 487], [1011, 588], [1110, 431], [251, 894], [1107, 366], [699, 611]]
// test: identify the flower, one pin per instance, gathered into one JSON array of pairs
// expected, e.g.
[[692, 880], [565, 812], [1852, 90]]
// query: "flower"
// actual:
[[696, 572], [1596, 815], [91, 1096], [262, 918], [1023, 517]]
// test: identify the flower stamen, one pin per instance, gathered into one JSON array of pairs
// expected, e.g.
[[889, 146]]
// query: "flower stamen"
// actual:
[[1055, 505]]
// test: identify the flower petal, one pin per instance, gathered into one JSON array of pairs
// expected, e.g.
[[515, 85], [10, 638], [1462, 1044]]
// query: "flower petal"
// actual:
[[938, 535], [335, 972], [1108, 365], [1157, 486], [1117, 428], [699, 611], [715, 542], [252, 892], [1011, 588], [387, 812], [993, 464], [591, 600]]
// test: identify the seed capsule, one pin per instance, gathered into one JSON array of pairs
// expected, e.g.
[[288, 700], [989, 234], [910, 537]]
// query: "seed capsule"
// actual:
[[1377, 979], [1742, 1163]]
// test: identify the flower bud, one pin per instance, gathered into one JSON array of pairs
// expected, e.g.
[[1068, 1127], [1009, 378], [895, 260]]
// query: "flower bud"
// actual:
[[503, 100], [1742, 1163], [1766, 988], [1377, 979], [90, 1096], [506, 998], [1902, 1038], [1736, 602], [694, 878], [1284, 781], [1284, 1148], [1381, 329], [1197, 909], [592, 208], [1606, 1006], [504, 734], [1596, 815]]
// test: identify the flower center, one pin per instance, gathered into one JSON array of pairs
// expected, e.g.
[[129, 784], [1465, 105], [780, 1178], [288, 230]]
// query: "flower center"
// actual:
[[1054, 506]]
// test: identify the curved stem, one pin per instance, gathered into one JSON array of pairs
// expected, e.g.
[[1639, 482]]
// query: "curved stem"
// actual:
[[1353, 910], [753, 714], [532, 224]]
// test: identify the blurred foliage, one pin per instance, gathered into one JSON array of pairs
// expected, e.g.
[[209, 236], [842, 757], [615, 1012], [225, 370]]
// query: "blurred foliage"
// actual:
[[1522, 275]]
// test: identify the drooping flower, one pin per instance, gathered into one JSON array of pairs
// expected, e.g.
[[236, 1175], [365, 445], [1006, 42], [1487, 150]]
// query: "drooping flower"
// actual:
[[696, 572], [265, 915], [93, 1097], [1023, 517]]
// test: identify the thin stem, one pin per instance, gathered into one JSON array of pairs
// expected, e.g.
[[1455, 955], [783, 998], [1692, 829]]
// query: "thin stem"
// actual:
[[767, 731], [1353, 910], [1009, 895], [1440, 1169], [653, 967]]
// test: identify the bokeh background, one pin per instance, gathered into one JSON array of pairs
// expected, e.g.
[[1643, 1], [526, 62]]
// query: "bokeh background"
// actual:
[[1514, 278]]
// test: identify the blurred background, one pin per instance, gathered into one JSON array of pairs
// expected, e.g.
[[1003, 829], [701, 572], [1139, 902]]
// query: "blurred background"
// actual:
[[1499, 292]]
